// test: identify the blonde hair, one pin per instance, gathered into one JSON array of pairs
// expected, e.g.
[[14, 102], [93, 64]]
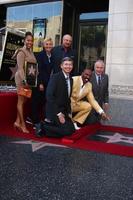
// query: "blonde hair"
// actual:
[[48, 39]]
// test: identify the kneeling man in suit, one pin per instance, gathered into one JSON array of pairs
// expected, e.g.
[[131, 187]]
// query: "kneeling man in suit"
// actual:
[[58, 107]]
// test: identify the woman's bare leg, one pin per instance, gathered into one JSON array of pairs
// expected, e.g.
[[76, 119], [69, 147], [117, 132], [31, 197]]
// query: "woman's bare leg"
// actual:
[[20, 111]]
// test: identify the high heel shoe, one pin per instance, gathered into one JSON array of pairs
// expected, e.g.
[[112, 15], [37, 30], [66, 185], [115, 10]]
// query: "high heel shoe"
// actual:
[[17, 126], [24, 130]]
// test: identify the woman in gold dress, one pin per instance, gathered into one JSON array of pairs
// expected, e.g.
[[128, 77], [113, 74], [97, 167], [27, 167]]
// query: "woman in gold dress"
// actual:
[[23, 54]]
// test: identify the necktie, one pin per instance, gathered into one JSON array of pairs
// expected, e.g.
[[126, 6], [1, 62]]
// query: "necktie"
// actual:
[[68, 85], [99, 80]]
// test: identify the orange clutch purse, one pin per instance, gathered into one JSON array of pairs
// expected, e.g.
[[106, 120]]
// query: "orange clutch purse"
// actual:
[[26, 92]]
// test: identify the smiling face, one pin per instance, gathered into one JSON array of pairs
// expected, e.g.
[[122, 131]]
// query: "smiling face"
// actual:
[[48, 45], [99, 67], [67, 66], [86, 74], [67, 41], [28, 41]]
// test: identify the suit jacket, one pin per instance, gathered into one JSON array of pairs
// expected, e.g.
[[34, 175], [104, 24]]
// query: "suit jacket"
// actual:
[[76, 97], [44, 68], [57, 99], [59, 53], [101, 93]]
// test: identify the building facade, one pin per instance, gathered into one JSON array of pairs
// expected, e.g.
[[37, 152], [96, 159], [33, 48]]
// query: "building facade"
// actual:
[[100, 29], [119, 61]]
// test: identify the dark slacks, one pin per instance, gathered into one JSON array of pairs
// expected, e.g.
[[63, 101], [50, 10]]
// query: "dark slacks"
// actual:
[[56, 129], [92, 118], [37, 105]]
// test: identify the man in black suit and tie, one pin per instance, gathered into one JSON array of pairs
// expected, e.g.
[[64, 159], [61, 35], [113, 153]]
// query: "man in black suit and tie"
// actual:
[[100, 91], [58, 108]]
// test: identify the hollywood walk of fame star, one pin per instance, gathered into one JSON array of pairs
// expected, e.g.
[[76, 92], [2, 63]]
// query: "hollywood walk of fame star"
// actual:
[[13, 70], [38, 145], [31, 70], [117, 137]]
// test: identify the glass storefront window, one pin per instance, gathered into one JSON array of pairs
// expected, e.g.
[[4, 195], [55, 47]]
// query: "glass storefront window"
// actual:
[[92, 39], [92, 45], [43, 19]]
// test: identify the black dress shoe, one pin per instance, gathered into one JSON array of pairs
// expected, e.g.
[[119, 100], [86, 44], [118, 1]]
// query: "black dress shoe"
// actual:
[[39, 132]]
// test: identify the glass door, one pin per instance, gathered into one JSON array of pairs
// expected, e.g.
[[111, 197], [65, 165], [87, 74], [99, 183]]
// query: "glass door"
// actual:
[[92, 44]]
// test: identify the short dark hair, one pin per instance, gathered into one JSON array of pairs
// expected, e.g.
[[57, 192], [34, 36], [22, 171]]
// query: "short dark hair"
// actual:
[[66, 59], [28, 33], [87, 68]]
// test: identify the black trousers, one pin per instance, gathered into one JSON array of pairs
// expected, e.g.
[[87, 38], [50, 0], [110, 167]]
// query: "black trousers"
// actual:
[[56, 129], [92, 118], [37, 105]]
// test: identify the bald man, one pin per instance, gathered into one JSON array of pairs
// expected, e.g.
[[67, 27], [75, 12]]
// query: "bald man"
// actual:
[[62, 51]]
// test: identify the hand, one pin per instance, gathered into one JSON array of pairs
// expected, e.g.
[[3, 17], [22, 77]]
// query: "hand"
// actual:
[[61, 118], [26, 86], [41, 87], [106, 107], [105, 116]]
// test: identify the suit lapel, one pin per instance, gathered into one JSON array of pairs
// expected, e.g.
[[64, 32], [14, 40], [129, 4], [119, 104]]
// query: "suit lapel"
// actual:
[[94, 79], [80, 94], [94, 82], [65, 83], [78, 85], [63, 79], [71, 85], [102, 82], [84, 91]]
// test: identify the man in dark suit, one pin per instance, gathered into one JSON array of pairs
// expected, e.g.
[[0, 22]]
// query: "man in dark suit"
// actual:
[[100, 91], [61, 51], [58, 108]]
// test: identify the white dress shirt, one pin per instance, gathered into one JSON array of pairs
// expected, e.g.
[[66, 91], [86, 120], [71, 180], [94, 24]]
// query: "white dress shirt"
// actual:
[[68, 83]]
